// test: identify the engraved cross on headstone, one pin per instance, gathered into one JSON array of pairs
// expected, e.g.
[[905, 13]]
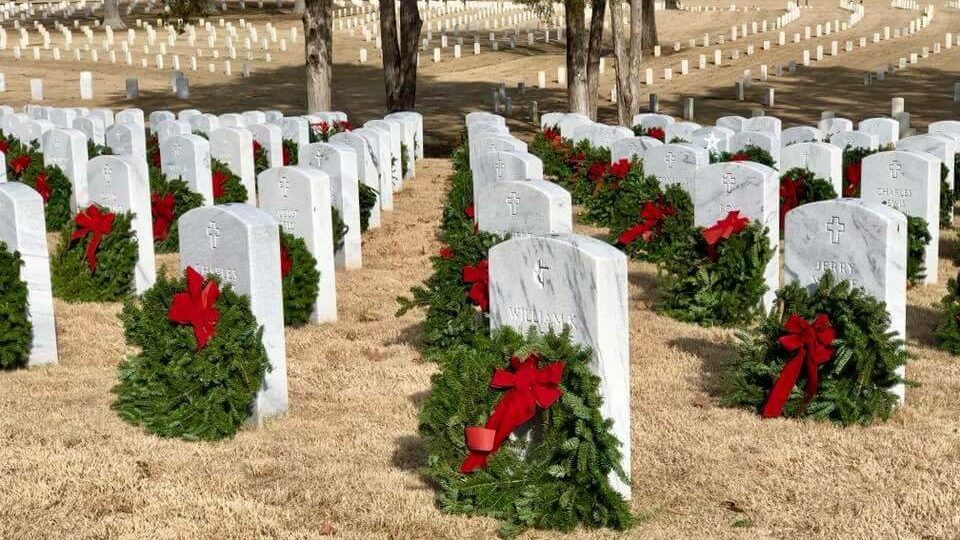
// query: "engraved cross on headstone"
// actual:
[[176, 150], [213, 233], [835, 227], [670, 159], [895, 168], [513, 201], [729, 182], [499, 167]]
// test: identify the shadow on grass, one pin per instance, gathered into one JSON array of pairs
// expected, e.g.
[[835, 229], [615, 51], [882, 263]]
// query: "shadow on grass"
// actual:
[[713, 357]]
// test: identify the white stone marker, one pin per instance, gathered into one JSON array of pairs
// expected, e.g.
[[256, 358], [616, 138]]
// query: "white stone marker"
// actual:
[[115, 183], [864, 242], [241, 245], [129, 140], [754, 190], [855, 139], [822, 159], [67, 149], [799, 134], [394, 130], [234, 147], [942, 147], [524, 208], [714, 139], [765, 141], [379, 144], [204, 123], [500, 166], [187, 157], [339, 162], [632, 148], [887, 130], [130, 117], [831, 126], [566, 279], [733, 123], [158, 117], [270, 137], [296, 129], [675, 163], [22, 228], [298, 199], [910, 183], [770, 125], [367, 172]]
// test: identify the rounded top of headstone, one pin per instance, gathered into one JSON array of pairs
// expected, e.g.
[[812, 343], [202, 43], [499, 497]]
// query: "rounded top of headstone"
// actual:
[[245, 215]]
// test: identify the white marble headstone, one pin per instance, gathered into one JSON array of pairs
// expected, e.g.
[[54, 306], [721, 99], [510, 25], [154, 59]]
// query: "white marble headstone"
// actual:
[[675, 163], [887, 130], [339, 162], [524, 208], [187, 157], [764, 141], [822, 159], [67, 149], [942, 147], [234, 147], [499, 166], [378, 144], [367, 172], [632, 148]]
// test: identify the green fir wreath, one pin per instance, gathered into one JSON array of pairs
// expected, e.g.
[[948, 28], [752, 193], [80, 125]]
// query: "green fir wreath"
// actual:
[[340, 228], [749, 152], [291, 152], [947, 198], [609, 181], [554, 152], [854, 384], [55, 189], [175, 390], [649, 221], [853, 168], [21, 157], [558, 483], [726, 290], [94, 149], [16, 331], [580, 183], [227, 187], [301, 280], [261, 161], [918, 238], [166, 235], [368, 199], [70, 273], [404, 159], [948, 329], [153, 152], [799, 186]]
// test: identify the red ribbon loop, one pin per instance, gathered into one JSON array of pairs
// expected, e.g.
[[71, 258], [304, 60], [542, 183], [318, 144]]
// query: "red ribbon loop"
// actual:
[[196, 307], [790, 191], [651, 218], [479, 276], [811, 346], [286, 263], [528, 386], [97, 224], [852, 174], [43, 186], [161, 206], [21, 164]]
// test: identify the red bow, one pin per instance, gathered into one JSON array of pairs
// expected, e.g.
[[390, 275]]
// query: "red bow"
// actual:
[[323, 126], [576, 159], [161, 207], [852, 175], [529, 386], [740, 156], [479, 276], [219, 181], [723, 229], [344, 125], [446, 253], [4, 145], [286, 156], [469, 211], [21, 164], [286, 263], [790, 191], [42, 186], [620, 169], [597, 171], [196, 307], [257, 147], [657, 133], [551, 135], [652, 217], [811, 347], [96, 223]]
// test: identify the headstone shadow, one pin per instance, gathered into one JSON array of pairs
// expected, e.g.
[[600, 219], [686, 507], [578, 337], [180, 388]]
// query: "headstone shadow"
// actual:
[[921, 322], [409, 454], [713, 356]]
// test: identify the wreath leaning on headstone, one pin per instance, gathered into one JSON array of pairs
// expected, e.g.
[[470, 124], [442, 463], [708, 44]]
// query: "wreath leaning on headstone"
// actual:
[[227, 187], [649, 221], [918, 237], [169, 199], [715, 276], [836, 340], [96, 257], [291, 152], [800, 186], [94, 149], [853, 169], [750, 152], [301, 280], [610, 181], [539, 382], [555, 152], [368, 199], [948, 329], [16, 331], [261, 161], [947, 198], [55, 189], [201, 360]]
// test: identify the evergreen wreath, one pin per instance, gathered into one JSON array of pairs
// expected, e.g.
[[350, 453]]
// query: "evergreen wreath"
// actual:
[[96, 257], [301, 280], [854, 354], [322, 131], [16, 330], [340, 228], [747, 153], [948, 329], [261, 161], [715, 276], [194, 383], [587, 163], [650, 222], [608, 180], [95, 150], [799, 186], [404, 160], [54, 188], [657, 133], [291, 152], [555, 152], [918, 237], [169, 199], [558, 483], [569, 165], [368, 199], [227, 187], [947, 199], [20, 157], [153, 152], [853, 169]]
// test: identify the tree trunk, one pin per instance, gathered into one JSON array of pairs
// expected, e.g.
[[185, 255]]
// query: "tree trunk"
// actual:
[[410, 26], [593, 54], [390, 49], [577, 91], [318, 46], [649, 33], [111, 15]]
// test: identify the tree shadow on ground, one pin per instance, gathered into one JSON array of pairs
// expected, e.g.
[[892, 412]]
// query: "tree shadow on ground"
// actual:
[[713, 357], [409, 454], [646, 282], [921, 322]]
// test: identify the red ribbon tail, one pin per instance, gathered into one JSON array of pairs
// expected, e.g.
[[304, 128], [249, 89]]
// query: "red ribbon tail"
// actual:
[[781, 389], [475, 460], [92, 251]]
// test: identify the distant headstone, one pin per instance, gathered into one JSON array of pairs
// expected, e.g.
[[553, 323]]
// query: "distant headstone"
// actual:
[[339, 162], [187, 157], [524, 208]]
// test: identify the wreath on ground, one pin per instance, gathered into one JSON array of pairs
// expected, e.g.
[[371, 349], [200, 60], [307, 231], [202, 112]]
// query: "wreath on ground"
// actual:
[[749, 152], [657, 133], [16, 331], [716, 275], [568, 165], [404, 160], [947, 198], [301, 280], [559, 482], [94, 149], [368, 199], [948, 329], [227, 187], [169, 199], [650, 221], [608, 180], [291, 152], [837, 338], [201, 360], [261, 161], [96, 257], [322, 131], [799, 186], [54, 188], [918, 238], [853, 169], [20, 157]]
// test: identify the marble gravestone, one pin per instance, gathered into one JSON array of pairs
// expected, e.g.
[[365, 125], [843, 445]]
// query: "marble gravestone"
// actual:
[[67, 149], [339, 162], [115, 183], [681, 130], [754, 190], [770, 125], [105, 115], [632, 148], [549, 282], [31, 131], [130, 117], [493, 142], [499, 166], [604, 136], [169, 128], [270, 137], [204, 123], [62, 118], [524, 208], [910, 183], [799, 134], [831, 126], [408, 138], [714, 139], [254, 118], [157, 117], [942, 147], [415, 121], [855, 139], [652, 120], [822, 159], [378, 145], [733, 123], [675, 163], [22, 229], [367, 173], [92, 127], [240, 244], [764, 141], [233, 147], [129, 140], [187, 157], [480, 130], [298, 199], [887, 130], [482, 116], [860, 241], [946, 127], [296, 129], [393, 129], [233, 120]]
